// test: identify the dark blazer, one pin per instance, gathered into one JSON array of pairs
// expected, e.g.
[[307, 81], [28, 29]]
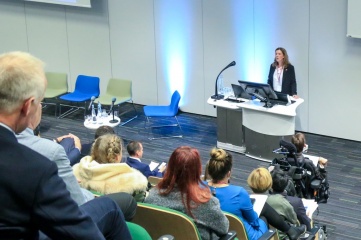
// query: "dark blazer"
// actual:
[[143, 168], [300, 210], [289, 84], [34, 197]]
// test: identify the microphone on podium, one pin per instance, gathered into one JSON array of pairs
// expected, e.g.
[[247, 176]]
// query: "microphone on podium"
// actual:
[[112, 111], [217, 96]]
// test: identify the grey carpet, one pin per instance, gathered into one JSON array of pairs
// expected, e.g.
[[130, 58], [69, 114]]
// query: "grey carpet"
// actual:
[[341, 214]]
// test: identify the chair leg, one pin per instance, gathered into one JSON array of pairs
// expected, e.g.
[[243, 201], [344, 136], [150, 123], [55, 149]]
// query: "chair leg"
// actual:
[[136, 114], [171, 125]]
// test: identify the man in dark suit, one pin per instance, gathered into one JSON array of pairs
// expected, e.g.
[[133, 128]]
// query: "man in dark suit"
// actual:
[[280, 181], [135, 151], [33, 197]]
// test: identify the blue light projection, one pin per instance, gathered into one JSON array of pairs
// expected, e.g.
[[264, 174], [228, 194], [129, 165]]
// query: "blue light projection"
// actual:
[[175, 28]]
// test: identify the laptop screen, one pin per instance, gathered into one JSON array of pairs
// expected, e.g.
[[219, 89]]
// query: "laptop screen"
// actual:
[[239, 92]]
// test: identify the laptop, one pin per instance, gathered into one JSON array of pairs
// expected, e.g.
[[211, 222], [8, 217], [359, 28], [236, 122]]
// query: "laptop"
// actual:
[[240, 95], [282, 99]]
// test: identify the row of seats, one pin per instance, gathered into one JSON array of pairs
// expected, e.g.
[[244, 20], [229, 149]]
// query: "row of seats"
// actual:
[[159, 221], [85, 88], [88, 86]]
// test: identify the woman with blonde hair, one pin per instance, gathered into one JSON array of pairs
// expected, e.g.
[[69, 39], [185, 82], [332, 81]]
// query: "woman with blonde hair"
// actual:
[[260, 181], [182, 189], [103, 171], [235, 199]]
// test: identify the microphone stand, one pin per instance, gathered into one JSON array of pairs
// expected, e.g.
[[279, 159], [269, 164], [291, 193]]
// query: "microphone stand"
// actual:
[[113, 120], [217, 96]]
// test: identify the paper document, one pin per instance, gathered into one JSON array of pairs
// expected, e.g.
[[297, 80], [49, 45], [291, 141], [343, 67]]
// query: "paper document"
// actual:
[[260, 200], [310, 206], [314, 159], [153, 165], [162, 165]]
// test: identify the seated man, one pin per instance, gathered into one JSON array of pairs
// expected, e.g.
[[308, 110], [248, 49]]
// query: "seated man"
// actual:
[[135, 151], [33, 197], [56, 153], [279, 184], [72, 146]]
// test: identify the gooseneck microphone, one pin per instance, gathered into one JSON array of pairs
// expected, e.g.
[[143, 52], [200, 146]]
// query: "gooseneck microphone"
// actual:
[[217, 96], [91, 102], [112, 111]]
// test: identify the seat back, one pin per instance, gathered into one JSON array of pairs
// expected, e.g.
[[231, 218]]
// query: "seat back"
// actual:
[[174, 104], [160, 221], [87, 85], [57, 84], [138, 232], [119, 87], [236, 224], [154, 180]]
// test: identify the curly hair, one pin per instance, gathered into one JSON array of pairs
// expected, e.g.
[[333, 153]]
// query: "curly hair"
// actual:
[[107, 148]]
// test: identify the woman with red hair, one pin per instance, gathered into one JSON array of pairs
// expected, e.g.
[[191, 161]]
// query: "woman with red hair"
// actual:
[[182, 189]]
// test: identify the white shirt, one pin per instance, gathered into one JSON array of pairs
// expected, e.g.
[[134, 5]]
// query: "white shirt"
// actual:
[[277, 79]]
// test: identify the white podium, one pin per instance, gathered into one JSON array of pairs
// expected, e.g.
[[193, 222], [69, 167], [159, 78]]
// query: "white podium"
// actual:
[[250, 128]]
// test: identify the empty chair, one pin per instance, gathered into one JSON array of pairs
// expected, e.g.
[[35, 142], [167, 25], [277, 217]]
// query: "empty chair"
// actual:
[[85, 88], [57, 85], [164, 111], [121, 90]]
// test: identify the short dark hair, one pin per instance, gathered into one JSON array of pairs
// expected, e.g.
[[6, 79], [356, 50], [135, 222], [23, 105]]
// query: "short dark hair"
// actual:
[[133, 147], [102, 130], [280, 181]]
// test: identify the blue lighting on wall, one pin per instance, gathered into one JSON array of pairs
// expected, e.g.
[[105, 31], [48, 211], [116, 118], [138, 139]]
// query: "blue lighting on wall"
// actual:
[[175, 28]]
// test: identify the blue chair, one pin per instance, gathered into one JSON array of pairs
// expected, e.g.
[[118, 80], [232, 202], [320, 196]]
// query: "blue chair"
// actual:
[[85, 88], [163, 111]]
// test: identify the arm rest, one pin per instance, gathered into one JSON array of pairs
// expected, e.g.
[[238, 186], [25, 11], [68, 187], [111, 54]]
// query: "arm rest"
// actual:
[[166, 237], [230, 235], [268, 235]]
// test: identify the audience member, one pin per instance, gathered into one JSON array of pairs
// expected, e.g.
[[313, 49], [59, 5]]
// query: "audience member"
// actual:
[[135, 151], [32, 195], [181, 189], [299, 140], [235, 199], [279, 184], [102, 130], [260, 181], [56, 153], [72, 146], [103, 171]]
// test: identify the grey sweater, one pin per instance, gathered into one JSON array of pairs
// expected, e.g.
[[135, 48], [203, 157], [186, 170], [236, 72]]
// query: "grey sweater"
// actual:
[[209, 217]]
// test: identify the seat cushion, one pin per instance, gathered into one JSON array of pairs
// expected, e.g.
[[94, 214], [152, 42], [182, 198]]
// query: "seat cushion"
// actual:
[[159, 111], [76, 97]]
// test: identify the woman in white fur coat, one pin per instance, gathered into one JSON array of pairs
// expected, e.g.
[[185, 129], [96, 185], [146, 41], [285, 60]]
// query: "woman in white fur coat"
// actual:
[[103, 171]]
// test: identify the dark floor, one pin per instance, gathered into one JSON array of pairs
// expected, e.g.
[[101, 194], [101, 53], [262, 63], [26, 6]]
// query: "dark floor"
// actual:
[[341, 214]]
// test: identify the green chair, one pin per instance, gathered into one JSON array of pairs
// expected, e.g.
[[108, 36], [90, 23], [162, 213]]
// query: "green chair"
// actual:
[[57, 86], [137, 232], [121, 90], [160, 221]]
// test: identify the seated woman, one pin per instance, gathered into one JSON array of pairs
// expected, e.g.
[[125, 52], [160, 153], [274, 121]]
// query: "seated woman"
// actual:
[[103, 171], [181, 189], [260, 181], [235, 199]]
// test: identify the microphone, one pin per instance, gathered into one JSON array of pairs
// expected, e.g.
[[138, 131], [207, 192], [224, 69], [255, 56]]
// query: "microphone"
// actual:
[[91, 102], [112, 106], [216, 95], [112, 111]]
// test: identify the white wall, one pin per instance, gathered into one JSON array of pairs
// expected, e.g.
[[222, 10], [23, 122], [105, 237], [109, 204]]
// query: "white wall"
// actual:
[[132, 39]]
